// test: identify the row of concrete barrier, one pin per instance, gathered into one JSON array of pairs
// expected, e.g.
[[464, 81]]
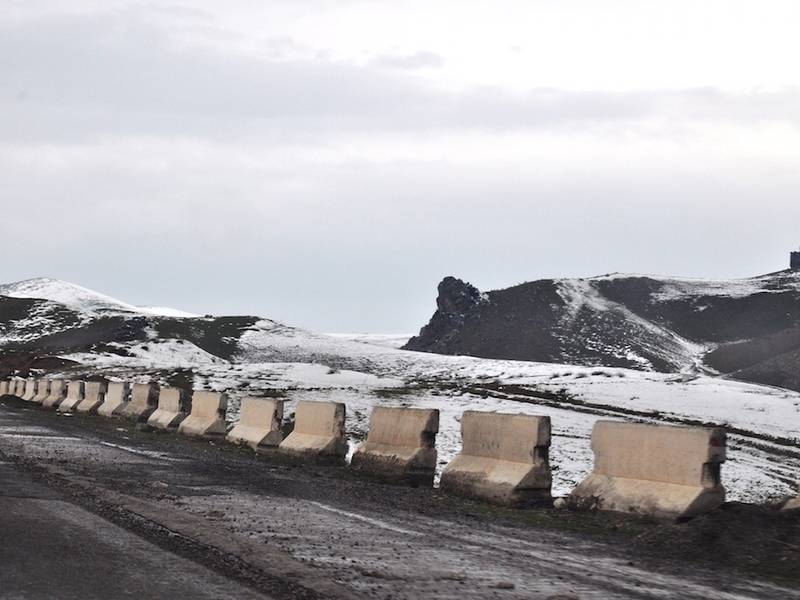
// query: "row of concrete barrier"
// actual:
[[652, 469]]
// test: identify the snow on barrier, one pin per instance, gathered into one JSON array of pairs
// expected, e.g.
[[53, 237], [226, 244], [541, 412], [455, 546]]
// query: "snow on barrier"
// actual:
[[170, 412], [115, 400], [259, 423], [207, 418], [30, 389], [58, 391], [42, 391], [94, 395], [400, 446], [74, 396], [653, 469], [318, 431], [504, 459], [144, 397], [4, 388]]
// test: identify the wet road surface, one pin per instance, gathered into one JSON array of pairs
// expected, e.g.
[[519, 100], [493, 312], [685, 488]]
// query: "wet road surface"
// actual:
[[51, 548]]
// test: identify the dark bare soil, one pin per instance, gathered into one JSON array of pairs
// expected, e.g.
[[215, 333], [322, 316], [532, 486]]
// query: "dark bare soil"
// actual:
[[751, 539]]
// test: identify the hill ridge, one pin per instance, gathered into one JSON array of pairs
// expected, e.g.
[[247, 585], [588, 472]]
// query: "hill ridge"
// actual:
[[646, 322]]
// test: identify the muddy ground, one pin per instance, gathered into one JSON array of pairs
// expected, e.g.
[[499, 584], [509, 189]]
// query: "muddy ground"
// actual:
[[293, 530]]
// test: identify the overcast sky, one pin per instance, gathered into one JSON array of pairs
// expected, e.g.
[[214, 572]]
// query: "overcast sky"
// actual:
[[327, 162]]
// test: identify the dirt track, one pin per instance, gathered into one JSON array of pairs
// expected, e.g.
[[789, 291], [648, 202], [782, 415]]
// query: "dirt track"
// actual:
[[298, 531]]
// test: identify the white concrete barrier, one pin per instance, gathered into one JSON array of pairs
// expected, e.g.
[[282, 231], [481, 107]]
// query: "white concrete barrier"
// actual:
[[57, 394], [94, 395], [792, 503], [207, 418], [116, 398], [74, 396], [29, 392], [7, 387], [144, 398], [259, 423], [318, 431], [19, 388], [400, 446], [504, 459], [42, 391], [171, 409], [654, 469]]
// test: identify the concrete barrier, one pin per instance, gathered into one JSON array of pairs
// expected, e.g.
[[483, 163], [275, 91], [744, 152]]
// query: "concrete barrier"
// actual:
[[171, 409], [792, 504], [318, 431], [207, 418], [653, 469], [57, 394], [504, 459], [94, 394], [29, 391], [259, 423], [4, 387], [42, 391], [74, 396], [400, 446], [144, 398], [116, 398], [19, 388]]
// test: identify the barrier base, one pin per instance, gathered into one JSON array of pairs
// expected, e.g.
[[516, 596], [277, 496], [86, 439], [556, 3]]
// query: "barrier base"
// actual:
[[654, 498]]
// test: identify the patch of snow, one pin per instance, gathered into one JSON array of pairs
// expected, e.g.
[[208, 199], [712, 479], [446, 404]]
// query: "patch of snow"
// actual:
[[387, 340], [165, 311], [164, 354], [678, 288], [580, 294]]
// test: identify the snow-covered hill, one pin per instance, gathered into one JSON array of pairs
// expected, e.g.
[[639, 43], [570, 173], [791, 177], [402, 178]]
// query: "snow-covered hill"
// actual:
[[636, 321], [80, 298], [251, 355]]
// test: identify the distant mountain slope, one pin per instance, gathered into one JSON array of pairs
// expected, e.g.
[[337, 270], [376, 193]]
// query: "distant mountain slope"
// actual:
[[633, 321], [79, 298]]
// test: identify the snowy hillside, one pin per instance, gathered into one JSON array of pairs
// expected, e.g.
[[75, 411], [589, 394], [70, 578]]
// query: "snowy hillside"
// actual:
[[750, 327], [249, 355], [636, 333], [80, 298]]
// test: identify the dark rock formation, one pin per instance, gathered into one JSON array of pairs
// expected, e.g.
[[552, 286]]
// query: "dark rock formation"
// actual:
[[750, 327]]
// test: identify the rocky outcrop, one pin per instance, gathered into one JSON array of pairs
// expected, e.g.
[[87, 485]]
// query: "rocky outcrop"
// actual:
[[748, 327]]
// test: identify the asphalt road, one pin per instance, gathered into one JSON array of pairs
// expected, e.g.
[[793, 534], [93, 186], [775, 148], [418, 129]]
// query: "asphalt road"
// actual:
[[51, 548], [94, 508]]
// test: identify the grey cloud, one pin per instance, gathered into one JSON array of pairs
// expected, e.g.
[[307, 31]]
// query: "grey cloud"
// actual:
[[418, 60], [117, 73]]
